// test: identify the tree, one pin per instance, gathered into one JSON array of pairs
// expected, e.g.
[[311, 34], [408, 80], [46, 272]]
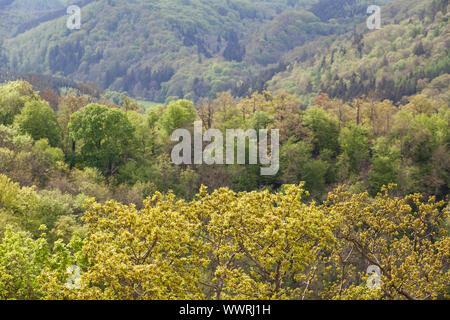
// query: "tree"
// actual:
[[403, 237], [105, 137], [3, 57], [418, 49], [21, 160], [234, 50], [287, 116], [39, 121], [206, 112], [358, 43], [130, 104], [13, 97], [263, 245], [419, 104], [385, 166], [69, 104], [378, 115], [343, 112], [324, 128], [354, 143], [146, 254], [227, 115], [25, 209], [228, 245], [179, 114], [30, 269], [49, 95]]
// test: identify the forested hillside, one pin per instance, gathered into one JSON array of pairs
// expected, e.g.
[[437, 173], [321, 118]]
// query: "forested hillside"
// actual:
[[17, 16], [92, 205], [409, 55], [163, 50]]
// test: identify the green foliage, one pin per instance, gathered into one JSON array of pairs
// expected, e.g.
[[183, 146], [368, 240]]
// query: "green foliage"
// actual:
[[325, 130], [105, 137], [32, 269], [400, 59], [354, 142], [50, 154], [27, 209], [25, 161], [186, 40], [39, 121], [356, 109], [13, 97], [385, 165], [248, 245], [178, 114]]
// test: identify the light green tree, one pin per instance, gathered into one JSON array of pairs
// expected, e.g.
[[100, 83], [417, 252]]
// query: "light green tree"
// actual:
[[39, 121]]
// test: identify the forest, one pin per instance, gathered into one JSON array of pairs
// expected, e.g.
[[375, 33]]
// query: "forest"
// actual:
[[93, 207]]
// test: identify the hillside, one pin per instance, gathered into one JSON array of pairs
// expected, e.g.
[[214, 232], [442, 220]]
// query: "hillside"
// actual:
[[409, 55], [17, 16], [162, 50]]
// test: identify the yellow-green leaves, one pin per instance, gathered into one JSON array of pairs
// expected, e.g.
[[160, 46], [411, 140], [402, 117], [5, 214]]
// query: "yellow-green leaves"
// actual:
[[148, 254], [254, 245], [248, 245], [398, 235]]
